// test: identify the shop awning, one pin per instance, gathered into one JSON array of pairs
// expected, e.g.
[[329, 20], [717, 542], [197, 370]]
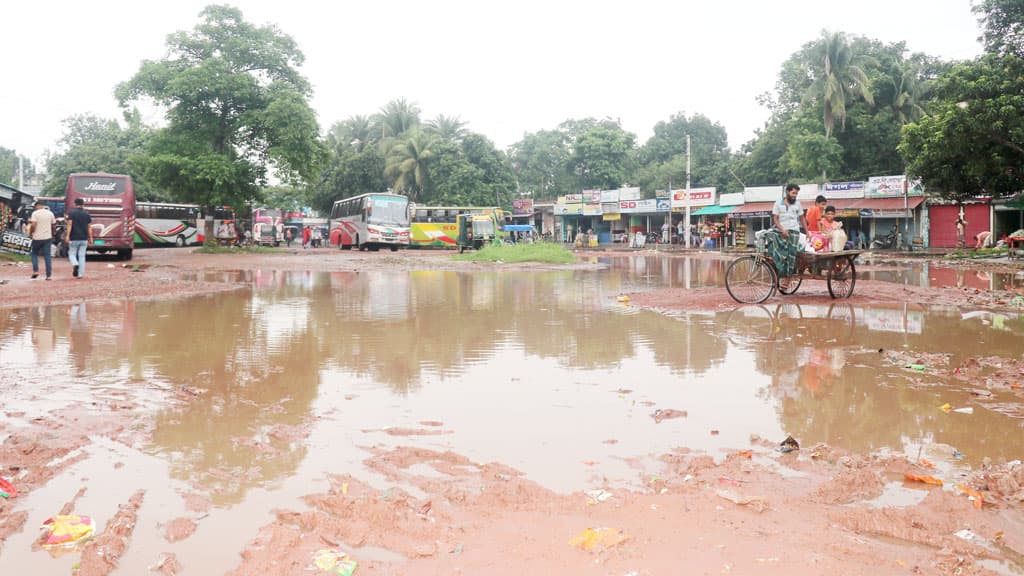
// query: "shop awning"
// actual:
[[752, 210], [713, 210]]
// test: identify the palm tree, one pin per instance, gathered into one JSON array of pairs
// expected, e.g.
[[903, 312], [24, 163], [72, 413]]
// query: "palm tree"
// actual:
[[909, 91], [397, 118], [448, 127], [837, 78], [355, 131], [408, 163]]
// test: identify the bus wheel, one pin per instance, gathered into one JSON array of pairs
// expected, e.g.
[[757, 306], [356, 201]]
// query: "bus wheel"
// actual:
[[180, 242], [394, 248], [124, 254]]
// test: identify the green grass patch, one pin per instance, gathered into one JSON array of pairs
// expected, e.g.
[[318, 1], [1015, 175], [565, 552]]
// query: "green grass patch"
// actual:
[[980, 253], [12, 257], [545, 252], [214, 249]]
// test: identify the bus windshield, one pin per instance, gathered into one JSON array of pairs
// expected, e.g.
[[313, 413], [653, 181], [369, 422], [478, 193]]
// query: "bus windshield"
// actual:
[[388, 211]]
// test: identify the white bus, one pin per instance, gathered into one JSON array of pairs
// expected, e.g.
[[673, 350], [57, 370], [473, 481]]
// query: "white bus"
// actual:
[[371, 221], [166, 224]]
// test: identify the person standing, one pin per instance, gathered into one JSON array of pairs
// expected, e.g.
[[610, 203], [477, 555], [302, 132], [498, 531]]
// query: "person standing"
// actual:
[[788, 218], [40, 229], [79, 236], [961, 229], [306, 235], [664, 231]]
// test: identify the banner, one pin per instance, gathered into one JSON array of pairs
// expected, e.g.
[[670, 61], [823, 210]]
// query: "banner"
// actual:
[[610, 207], [629, 193], [16, 242], [609, 196], [607, 217], [837, 190], [762, 193], [522, 207]]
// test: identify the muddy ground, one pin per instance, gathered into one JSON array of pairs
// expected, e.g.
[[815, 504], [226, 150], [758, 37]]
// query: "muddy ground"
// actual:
[[755, 511]]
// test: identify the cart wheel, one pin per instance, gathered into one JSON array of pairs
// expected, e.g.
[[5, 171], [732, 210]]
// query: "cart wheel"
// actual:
[[790, 284], [842, 277], [750, 280]]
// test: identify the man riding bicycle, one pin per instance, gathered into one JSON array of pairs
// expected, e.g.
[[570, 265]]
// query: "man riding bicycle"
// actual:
[[788, 218]]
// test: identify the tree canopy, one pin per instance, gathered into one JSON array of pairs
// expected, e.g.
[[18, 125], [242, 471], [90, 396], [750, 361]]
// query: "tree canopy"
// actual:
[[236, 107]]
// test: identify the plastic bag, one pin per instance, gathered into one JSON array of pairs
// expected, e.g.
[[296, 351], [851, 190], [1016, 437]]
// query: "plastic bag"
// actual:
[[66, 531]]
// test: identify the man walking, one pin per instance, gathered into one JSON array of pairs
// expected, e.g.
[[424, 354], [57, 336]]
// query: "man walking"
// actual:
[[40, 229], [79, 237]]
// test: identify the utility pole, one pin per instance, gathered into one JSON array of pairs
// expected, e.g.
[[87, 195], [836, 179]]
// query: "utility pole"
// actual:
[[687, 231]]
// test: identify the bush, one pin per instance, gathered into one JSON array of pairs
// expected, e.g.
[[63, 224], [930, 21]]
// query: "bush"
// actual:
[[545, 252]]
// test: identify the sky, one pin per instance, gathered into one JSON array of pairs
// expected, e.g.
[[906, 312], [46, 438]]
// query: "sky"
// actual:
[[505, 69]]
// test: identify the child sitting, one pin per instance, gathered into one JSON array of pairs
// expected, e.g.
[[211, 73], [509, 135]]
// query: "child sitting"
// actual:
[[833, 230]]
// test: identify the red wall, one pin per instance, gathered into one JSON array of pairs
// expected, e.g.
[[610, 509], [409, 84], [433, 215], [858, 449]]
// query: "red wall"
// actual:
[[942, 224]]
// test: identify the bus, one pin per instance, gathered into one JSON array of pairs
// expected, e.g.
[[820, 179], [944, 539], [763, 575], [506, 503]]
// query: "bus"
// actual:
[[267, 227], [110, 200], [370, 221], [436, 225], [166, 224], [224, 229]]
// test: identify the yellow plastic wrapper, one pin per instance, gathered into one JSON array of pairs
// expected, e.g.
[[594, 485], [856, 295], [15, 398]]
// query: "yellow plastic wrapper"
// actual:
[[66, 531], [598, 539]]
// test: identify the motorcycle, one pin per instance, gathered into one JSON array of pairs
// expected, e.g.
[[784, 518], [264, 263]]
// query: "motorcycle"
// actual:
[[890, 241]]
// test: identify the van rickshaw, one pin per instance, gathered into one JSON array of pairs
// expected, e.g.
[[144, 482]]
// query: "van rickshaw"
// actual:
[[753, 279]]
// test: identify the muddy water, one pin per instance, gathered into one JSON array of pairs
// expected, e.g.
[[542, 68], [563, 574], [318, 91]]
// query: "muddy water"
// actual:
[[544, 371]]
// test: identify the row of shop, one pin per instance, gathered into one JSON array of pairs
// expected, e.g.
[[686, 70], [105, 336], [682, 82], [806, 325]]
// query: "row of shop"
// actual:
[[878, 209]]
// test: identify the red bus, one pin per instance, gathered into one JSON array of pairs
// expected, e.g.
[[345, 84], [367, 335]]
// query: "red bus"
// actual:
[[110, 200]]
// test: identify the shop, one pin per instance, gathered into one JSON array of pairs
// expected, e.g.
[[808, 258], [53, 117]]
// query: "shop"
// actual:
[[942, 219]]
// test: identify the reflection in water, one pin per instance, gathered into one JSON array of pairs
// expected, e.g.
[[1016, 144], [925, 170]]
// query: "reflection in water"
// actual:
[[533, 369]]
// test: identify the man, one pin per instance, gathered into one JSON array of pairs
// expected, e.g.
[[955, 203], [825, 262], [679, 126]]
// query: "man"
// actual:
[[815, 214], [40, 229], [788, 218], [961, 228], [79, 236]]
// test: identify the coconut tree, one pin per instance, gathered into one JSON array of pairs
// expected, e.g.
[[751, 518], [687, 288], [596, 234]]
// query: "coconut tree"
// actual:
[[356, 132], [448, 127], [396, 118], [838, 77], [408, 163]]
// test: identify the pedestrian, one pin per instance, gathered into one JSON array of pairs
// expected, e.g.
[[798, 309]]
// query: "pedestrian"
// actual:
[[40, 229], [961, 227], [664, 231], [306, 234], [288, 236], [78, 237]]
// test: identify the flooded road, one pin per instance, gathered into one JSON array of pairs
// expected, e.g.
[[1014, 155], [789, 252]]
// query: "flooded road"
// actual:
[[546, 372]]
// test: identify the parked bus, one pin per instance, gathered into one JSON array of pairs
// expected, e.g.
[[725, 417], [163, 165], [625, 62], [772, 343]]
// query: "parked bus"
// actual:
[[371, 221], [165, 224], [110, 200], [224, 228], [436, 225]]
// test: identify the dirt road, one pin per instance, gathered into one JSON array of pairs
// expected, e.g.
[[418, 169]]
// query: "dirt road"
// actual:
[[757, 510]]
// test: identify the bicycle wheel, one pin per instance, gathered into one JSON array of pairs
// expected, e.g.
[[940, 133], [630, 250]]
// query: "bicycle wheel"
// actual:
[[842, 277], [790, 284], [750, 280]]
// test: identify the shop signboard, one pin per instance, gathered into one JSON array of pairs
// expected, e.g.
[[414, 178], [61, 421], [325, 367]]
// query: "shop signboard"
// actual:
[[16, 242], [885, 186], [607, 216], [591, 209], [762, 193], [591, 196], [662, 194], [698, 197], [608, 196], [648, 205], [734, 199], [837, 190], [628, 206], [663, 204], [610, 207], [629, 193]]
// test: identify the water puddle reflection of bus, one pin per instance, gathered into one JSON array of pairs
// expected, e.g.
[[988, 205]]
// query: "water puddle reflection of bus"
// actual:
[[542, 371]]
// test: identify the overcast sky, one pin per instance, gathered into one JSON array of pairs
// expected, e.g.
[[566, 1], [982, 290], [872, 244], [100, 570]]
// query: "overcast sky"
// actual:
[[504, 68]]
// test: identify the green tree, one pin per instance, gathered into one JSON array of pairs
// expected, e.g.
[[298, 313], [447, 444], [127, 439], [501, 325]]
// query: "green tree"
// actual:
[[663, 157], [9, 166], [408, 161], [94, 144], [448, 127], [1002, 22], [972, 141], [396, 118], [357, 132], [236, 107], [350, 171], [603, 156], [497, 182], [837, 78], [812, 154], [540, 163]]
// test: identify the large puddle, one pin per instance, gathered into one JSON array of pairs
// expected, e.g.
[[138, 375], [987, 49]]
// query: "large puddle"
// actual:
[[543, 371]]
